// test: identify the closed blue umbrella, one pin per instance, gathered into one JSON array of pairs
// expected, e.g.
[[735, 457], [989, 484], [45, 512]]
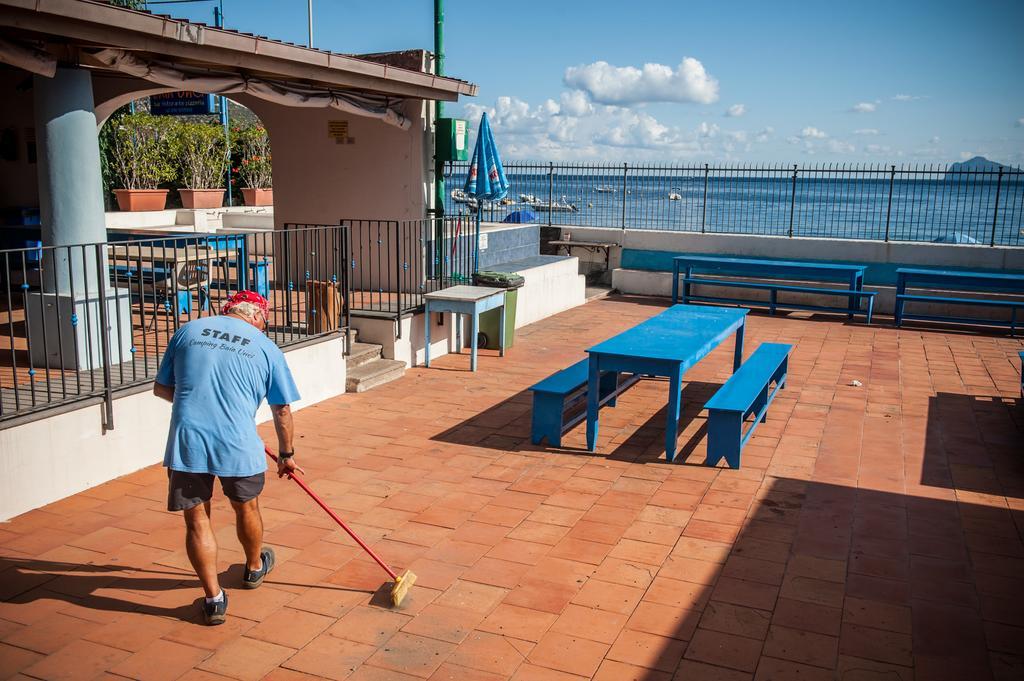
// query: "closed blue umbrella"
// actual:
[[486, 180]]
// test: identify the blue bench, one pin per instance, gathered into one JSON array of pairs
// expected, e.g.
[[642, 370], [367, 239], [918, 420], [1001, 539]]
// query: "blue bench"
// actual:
[[555, 398], [689, 266], [958, 280], [748, 391]]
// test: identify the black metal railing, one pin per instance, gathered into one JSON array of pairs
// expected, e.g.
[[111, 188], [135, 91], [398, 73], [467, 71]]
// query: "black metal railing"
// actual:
[[877, 202], [395, 262], [85, 320]]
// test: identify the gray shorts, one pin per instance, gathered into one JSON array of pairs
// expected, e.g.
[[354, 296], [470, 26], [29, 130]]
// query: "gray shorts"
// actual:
[[185, 490]]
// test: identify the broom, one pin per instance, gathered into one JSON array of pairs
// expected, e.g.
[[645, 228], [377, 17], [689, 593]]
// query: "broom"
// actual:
[[402, 583]]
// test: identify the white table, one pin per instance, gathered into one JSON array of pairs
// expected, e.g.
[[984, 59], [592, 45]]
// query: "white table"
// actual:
[[460, 300]]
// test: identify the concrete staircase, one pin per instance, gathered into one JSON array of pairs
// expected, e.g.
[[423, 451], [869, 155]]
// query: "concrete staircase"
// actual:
[[366, 369]]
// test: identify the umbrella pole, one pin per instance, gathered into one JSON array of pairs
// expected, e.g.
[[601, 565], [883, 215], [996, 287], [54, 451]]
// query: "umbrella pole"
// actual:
[[476, 251]]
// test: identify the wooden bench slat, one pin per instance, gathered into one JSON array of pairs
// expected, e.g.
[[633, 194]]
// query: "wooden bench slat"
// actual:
[[780, 287], [964, 301], [565, 381], [743, 387], [748, 391]]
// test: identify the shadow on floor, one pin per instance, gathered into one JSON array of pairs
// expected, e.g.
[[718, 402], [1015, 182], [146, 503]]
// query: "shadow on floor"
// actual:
[[113, 588], [506, 426], [973, 443]]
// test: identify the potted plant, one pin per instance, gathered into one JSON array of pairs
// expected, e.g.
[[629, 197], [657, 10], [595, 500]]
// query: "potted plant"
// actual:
[[200, 154], [140, 158], [254, 167]]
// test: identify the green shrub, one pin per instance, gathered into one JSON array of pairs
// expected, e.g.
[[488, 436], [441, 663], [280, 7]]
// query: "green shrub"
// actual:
[[141, 151], [200, 155], [253, 148]]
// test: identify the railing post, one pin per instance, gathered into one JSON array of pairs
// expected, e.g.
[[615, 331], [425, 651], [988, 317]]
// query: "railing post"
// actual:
[[995, 213], [888, 212], [551, 190], [792, 203], [625, 172], [704, 203], [101, 283]]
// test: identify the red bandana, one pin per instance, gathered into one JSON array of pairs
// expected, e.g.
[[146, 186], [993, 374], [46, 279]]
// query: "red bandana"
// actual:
[[246, 297]]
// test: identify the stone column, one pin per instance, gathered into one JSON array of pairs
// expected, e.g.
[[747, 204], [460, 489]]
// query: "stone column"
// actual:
[[67, 311]]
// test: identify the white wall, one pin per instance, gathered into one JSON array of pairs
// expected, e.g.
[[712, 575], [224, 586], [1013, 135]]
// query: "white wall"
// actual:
[[549, 289], [49, 459], [925, 254]]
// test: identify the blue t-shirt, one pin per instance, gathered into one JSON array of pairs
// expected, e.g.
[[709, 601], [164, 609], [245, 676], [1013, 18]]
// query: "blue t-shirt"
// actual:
[[222, 368]]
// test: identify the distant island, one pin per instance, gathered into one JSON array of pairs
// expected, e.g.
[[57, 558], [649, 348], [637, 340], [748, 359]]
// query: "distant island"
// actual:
[[972, 165]]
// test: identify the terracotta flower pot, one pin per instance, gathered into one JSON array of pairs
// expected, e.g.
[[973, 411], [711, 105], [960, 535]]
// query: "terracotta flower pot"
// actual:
[[201, 198], [258, 197], [141, 199]]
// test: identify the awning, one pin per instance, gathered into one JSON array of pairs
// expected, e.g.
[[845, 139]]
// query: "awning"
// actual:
[[286, 94]]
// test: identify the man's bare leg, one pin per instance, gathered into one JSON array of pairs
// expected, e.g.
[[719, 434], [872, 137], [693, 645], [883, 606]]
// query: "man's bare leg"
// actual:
[[249, 525], [201, 546]]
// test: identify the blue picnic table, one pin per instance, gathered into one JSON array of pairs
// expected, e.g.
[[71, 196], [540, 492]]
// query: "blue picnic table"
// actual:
[[958, 280], [665, 345], [691, 265]]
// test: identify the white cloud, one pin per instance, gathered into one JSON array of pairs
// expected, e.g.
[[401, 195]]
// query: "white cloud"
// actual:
[[866, 131], [811, 132], [621, 85], [907, 98], [1020, 122], [864, 107], [878, 149], [934, 140], [575, 103], [736, 110], [580, 130]]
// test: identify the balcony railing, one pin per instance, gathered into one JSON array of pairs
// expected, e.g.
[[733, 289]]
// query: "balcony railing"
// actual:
[[395, 262], [846, 201], [84, 321]]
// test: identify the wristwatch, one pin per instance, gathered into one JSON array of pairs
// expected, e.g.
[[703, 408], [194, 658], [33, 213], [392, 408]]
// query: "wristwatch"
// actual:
[[285, 455]]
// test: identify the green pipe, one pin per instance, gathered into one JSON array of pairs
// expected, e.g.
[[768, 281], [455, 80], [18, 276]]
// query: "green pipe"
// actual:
[[438, 104]]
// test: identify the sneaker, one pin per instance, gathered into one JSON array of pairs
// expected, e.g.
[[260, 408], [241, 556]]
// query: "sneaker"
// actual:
[[253, 578], [216, 612]]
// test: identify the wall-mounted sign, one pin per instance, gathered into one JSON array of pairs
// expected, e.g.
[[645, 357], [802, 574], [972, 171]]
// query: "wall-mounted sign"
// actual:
[[338, 130], [182, 104]]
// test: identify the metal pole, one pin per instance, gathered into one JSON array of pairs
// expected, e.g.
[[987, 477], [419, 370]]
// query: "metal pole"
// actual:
[[218, 21], [438, 105], [309, 8], [104, 331], [792, 203], [551, 190], [995, 213], [704, 204], [625, 172], [888, 212]]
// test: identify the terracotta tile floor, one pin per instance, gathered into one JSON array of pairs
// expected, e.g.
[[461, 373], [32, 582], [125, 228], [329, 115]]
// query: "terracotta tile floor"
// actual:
[[874, 531]]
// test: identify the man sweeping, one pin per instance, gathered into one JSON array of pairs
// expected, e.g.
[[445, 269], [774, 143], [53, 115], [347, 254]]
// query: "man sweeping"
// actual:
[[217, 371]]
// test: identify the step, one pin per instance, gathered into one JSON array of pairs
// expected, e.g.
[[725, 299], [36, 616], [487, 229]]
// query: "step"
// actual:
[[372, 374], [362, 353], [598, 292]]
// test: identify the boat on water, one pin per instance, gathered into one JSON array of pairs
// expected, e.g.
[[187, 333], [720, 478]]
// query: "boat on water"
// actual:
[[674, 195], [560, 206], [604, 189], [460, 196]]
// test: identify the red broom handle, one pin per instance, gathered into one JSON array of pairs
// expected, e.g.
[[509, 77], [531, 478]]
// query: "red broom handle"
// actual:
[[338, 520]]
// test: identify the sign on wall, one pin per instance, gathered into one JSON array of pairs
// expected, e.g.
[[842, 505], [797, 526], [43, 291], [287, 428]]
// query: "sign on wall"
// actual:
[[182, 104], [338, 130]]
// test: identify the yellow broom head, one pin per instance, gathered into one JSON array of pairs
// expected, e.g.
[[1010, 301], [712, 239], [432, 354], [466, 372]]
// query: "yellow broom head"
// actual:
[[401, 587]]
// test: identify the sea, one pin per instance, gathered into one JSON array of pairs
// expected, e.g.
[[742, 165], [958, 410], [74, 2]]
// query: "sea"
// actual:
[[960, 208]]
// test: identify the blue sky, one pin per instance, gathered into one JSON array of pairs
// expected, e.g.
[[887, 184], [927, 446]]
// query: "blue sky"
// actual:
[[900, 81]]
